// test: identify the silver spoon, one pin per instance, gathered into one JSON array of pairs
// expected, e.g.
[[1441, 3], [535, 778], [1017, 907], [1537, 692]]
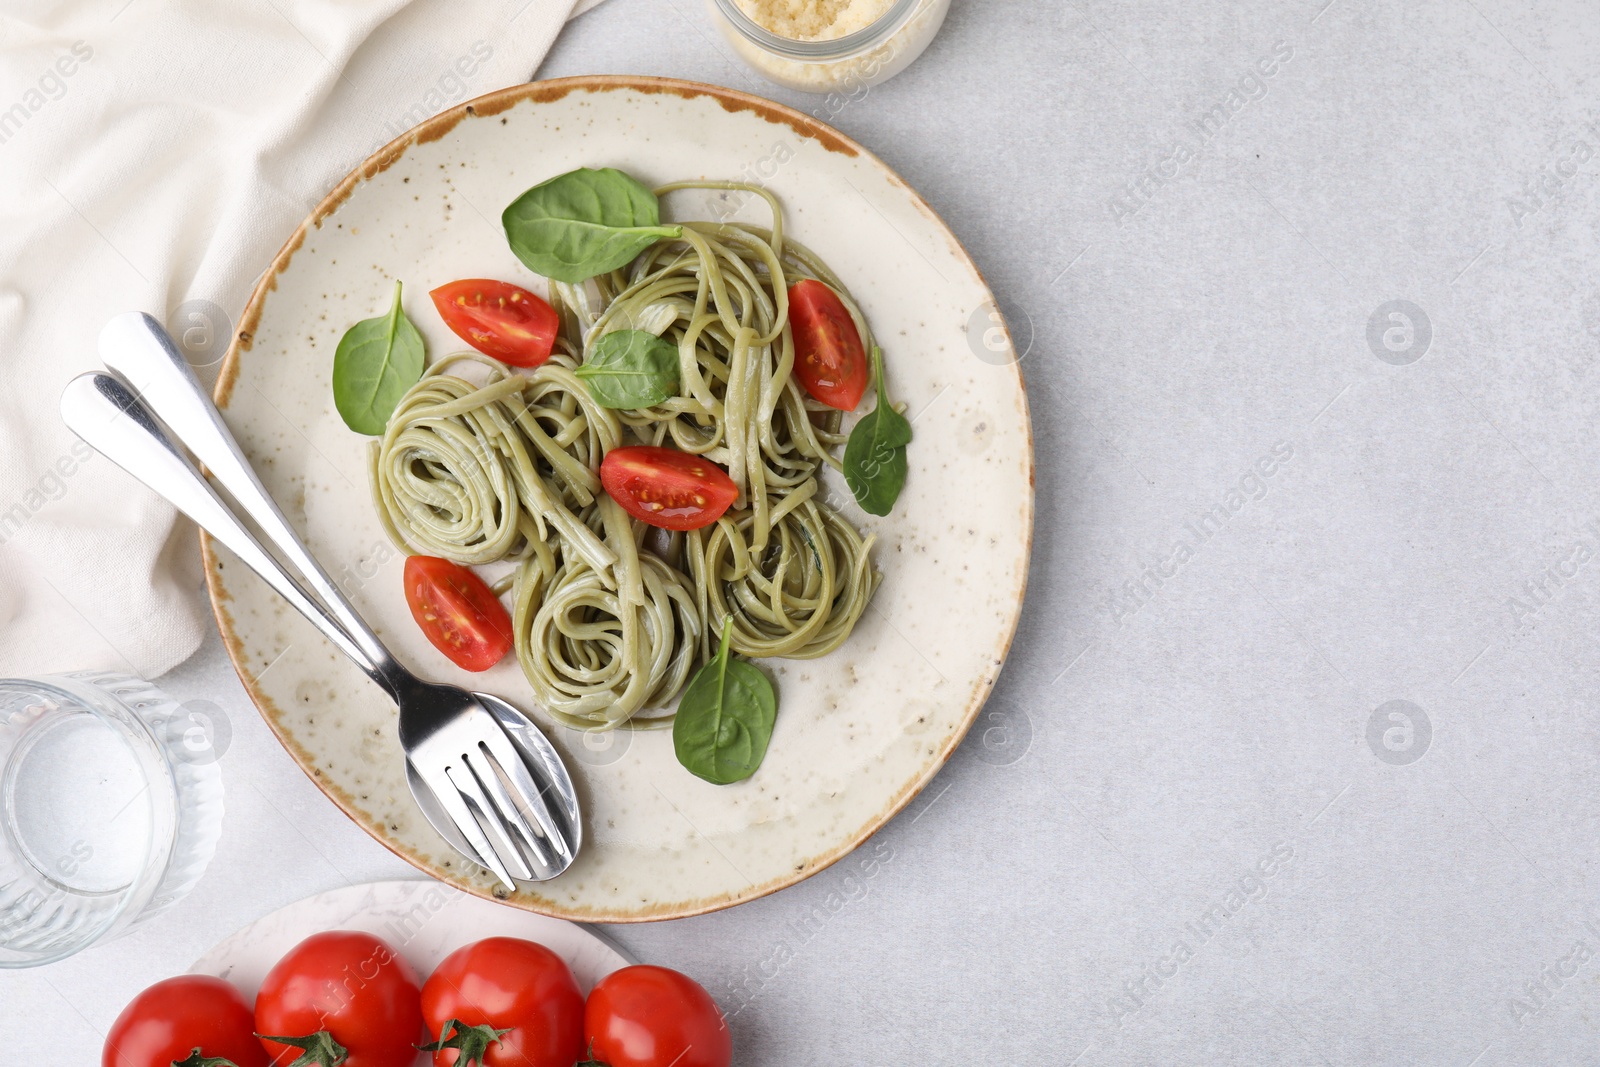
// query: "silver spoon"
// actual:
[[469, 755]]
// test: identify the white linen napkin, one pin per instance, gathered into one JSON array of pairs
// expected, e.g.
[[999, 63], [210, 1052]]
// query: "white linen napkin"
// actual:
[[154, 154]]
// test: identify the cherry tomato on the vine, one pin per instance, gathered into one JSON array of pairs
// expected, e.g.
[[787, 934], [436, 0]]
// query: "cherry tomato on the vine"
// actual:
[[645, 1016], [341, 992], [513, 1003], [183, 1020]]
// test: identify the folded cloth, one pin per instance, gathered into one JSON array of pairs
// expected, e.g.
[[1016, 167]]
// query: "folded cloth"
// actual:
[[154, 156]]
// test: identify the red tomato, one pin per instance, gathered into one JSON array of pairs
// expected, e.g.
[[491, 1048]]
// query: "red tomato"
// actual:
[[654, 1017], [341, 991], [459, 613], [499, 319], [520, 989], [667, 488], [828, 357], [173, 1020]]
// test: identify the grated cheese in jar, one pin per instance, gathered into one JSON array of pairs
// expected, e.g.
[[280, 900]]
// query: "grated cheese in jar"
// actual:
[[788, 41], [814, 20]]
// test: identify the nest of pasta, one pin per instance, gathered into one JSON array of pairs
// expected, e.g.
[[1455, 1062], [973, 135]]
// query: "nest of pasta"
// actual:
[[483, 463]]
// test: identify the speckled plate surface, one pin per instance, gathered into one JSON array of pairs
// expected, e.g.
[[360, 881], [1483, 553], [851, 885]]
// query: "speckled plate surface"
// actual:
[[860, 731]]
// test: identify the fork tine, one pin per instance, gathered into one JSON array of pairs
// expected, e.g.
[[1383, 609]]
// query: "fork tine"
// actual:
[[511, 815], [514, 772], [450, 799], [499, 840]]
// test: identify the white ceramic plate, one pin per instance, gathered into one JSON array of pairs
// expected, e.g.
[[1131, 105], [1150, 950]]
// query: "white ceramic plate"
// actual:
[[424, 921], [860, 731]]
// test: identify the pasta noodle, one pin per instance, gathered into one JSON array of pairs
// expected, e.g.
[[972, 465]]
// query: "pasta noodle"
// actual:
[[611, 617], [478, 474]]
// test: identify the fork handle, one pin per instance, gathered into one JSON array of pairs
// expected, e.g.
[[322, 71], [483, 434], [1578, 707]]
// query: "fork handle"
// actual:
[[104, 411], [138, 348]]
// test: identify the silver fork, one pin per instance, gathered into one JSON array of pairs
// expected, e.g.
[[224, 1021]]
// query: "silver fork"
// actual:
[[469, 778]]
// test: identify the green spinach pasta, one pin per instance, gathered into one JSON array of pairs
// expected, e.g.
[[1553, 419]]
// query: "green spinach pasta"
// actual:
[[484, 463]]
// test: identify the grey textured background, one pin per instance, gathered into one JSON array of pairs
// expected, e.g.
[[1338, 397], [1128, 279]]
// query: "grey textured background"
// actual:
[[1188, 830]]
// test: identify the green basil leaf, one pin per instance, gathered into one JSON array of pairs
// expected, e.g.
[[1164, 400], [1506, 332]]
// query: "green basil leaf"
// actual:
[[584, 223], [376, 362], [631, 369], [875, 455], [725, 718]]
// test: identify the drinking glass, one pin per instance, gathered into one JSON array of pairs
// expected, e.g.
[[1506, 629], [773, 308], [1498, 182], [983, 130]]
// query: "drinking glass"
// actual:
[[110, 809]]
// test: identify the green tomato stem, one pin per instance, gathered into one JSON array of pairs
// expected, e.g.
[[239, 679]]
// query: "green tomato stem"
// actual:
[[471, 1042], [198, 1059], [317, 1050]]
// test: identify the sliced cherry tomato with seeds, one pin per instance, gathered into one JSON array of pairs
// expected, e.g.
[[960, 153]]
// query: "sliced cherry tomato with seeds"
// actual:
[[499, 319], [458, 612], [829, 359], [667, 488]]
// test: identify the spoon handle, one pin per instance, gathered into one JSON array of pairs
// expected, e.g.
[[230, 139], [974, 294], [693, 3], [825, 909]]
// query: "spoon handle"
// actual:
[[138, 348], [101, 409]]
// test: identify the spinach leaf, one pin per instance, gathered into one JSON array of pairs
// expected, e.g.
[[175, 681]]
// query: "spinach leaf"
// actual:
[[725, 718], [376, 362], [631, 369], [875, 455], [583, 223]]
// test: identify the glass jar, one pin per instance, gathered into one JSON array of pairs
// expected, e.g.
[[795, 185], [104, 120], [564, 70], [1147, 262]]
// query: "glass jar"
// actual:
[[110, 809], [849, 64]]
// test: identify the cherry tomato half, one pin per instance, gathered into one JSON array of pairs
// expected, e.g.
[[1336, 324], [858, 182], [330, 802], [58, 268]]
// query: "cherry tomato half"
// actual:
[[645, 1016], [458, 612], [499, 319], [667, 488], [517, 986], [349, 992], [828, 357], [173, 1019]]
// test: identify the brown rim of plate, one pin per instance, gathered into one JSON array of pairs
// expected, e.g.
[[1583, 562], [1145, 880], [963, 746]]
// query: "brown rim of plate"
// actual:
[[731, 100]]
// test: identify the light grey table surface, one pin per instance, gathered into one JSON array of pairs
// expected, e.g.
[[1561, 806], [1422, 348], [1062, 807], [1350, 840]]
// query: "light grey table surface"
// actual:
[[1190, 829]]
